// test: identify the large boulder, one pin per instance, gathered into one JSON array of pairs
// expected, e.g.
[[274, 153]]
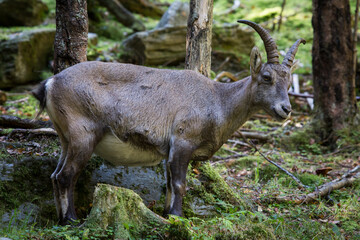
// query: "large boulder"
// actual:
[[22, 12], [24, 56], [165, 44]]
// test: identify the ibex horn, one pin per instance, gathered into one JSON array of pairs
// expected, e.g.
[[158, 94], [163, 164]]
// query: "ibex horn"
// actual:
[[270, 45], [290, 55]]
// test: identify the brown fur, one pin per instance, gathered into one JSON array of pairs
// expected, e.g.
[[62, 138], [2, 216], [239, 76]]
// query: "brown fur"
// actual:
[[135, 115]]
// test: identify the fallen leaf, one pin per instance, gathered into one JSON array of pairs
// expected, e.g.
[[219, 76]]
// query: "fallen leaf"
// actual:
[[323, 171]]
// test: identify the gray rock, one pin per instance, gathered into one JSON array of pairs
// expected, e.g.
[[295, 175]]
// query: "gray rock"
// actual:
[[6, 170], [22, 12], [24, 56], [148, 182], [176, 15], [167, 46], [25, 213], [201, 209], [93, 39]]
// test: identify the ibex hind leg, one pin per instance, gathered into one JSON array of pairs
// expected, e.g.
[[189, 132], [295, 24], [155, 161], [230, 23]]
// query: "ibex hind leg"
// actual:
[[64, 146], [78, 153]]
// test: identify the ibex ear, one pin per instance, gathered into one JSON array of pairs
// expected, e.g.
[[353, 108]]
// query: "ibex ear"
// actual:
[[294, 66], [255, 60]]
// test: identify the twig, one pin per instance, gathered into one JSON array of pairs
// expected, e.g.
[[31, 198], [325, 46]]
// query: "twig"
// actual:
[[304, 95], [223, 159], [252, 135], [274, 163], [281, 13], [19, 100], [238, 143]]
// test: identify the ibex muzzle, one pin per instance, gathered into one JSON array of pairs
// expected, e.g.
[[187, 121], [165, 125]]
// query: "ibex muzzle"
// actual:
[[134, 115]]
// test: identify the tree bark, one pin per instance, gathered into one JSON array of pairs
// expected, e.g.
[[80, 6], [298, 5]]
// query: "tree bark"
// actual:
[[198, 39], [71, 33], [334, 94]]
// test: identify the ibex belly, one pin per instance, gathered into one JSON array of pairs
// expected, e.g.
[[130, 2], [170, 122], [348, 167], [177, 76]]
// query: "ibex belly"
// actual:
[[122, 153]]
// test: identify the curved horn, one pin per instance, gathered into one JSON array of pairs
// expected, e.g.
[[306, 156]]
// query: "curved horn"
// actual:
[[290, 55], [270, 45]]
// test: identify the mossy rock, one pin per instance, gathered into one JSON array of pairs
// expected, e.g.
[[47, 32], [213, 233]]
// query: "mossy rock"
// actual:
[[207, 190], [122, 210], [24, 56], [22, 12]]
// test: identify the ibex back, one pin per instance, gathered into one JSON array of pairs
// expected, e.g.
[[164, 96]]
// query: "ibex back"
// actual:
[[136, 116]]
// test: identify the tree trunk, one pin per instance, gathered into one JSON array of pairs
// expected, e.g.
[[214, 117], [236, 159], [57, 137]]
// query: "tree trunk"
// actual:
[[71, 33], [334, 94], [198, 39], [122, 15], [143, 7]]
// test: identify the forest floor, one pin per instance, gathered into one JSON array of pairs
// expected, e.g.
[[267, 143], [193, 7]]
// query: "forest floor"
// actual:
[[275, 212]]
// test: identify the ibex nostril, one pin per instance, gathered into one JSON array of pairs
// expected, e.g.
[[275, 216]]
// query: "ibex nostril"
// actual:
[[287, 110]]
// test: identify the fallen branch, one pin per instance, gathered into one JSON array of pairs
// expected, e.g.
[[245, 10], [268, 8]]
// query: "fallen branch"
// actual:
[[18, 144], [225, 74], [252, 135], [327, 188], [324, 190], [7, 121], [237, 4], [39, 131]]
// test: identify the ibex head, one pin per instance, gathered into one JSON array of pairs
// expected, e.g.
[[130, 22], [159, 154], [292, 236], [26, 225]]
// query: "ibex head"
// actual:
[[271, 80]]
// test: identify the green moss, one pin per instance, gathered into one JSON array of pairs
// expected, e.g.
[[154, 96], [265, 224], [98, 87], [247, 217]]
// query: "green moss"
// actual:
[[303, 140], [123, 210], [217, 186]]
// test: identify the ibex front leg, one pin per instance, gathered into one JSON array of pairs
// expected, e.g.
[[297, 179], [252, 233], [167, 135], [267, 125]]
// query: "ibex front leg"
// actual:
[[176, 168]]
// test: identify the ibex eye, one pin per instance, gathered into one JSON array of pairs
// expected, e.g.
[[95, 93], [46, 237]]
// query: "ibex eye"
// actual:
[[267, 78]]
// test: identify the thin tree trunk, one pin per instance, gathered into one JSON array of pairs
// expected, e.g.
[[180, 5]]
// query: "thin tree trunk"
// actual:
[[198, 39], [281, 14], [334, 94], [143, 7], [354, 44], [71, 33]]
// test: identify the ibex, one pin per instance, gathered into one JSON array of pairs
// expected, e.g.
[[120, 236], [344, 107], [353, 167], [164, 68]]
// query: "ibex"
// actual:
[[136, 116]]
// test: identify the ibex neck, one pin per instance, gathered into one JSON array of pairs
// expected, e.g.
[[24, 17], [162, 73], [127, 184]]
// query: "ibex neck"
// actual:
[[237, 105]]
